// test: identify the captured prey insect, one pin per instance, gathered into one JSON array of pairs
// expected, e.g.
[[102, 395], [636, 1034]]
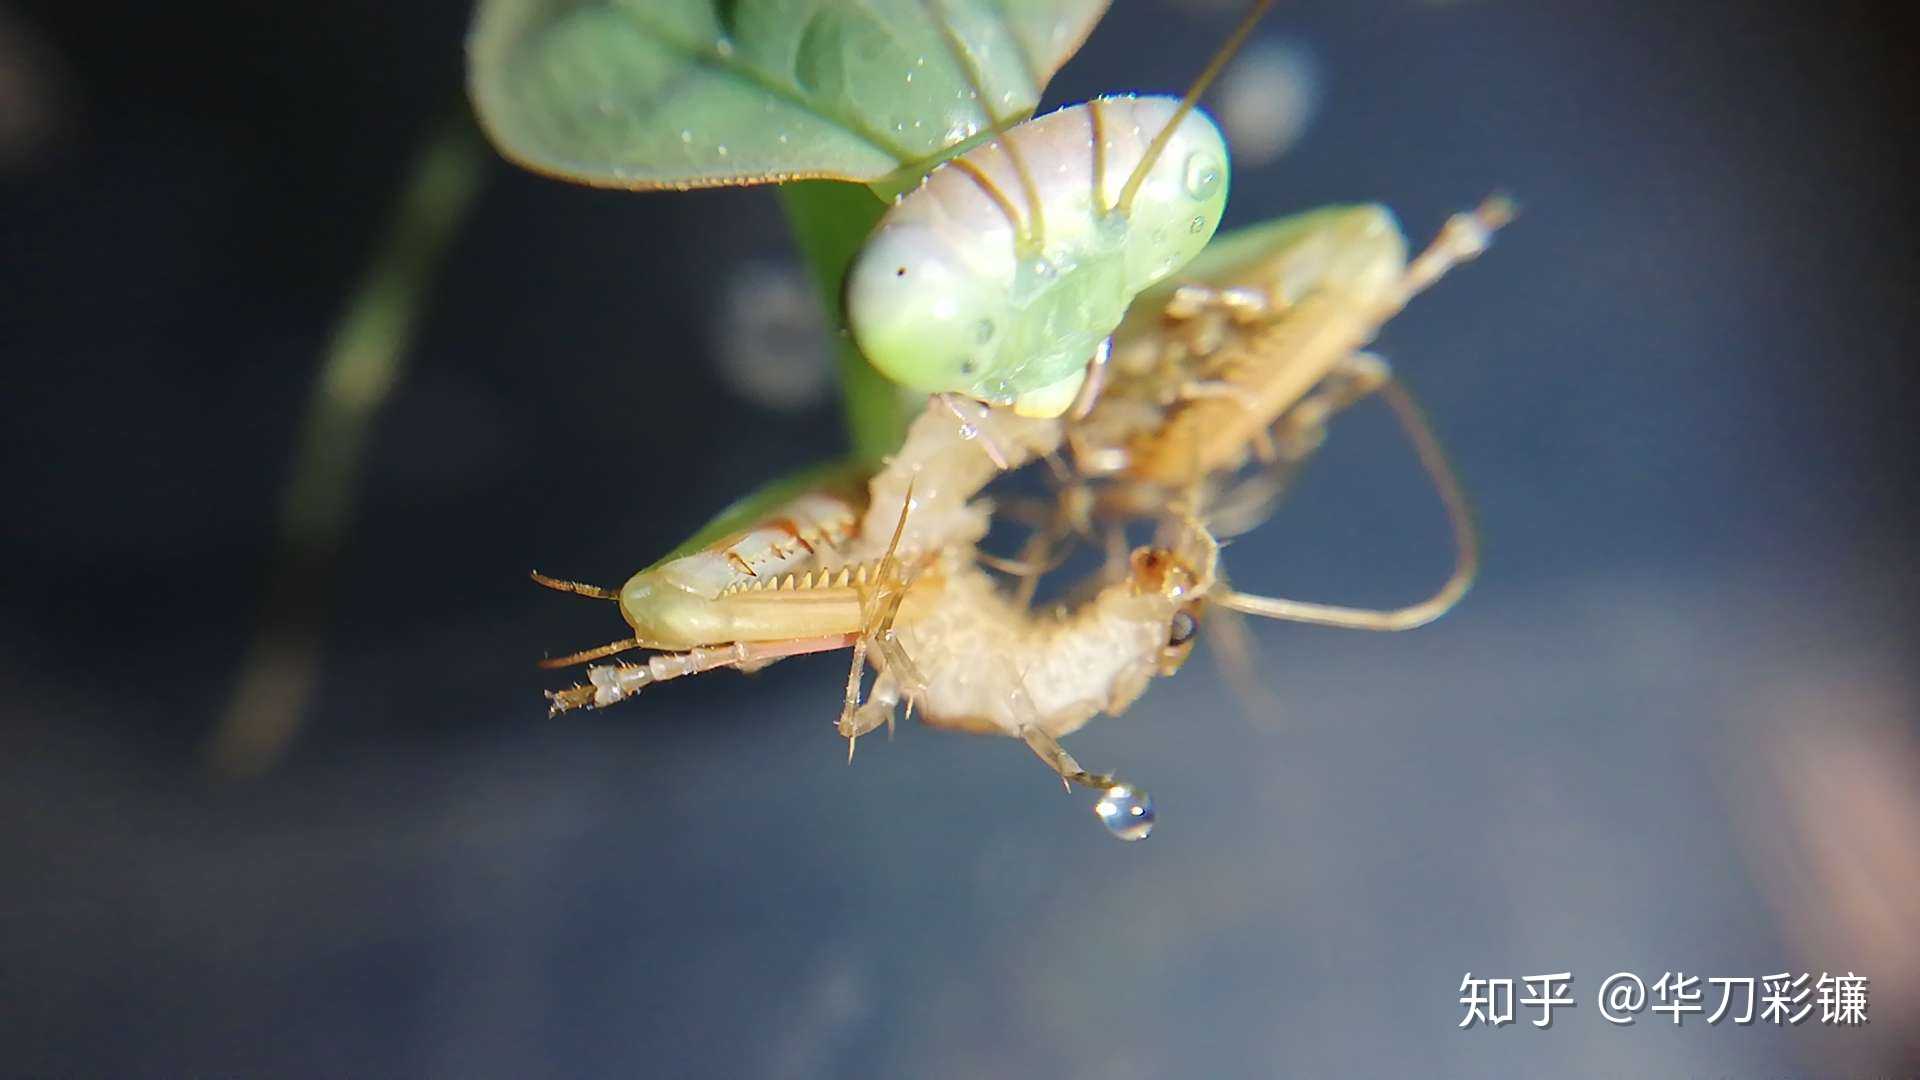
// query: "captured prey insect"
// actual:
[[1248, 356], [1003, 274], [798, 570]]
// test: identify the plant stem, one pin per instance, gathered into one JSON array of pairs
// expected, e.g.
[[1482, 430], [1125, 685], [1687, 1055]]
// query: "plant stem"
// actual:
[[830, 221], [364, 362]]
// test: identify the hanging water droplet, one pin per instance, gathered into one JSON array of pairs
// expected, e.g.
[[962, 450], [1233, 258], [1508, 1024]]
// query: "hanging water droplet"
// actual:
[[1202, 174], [723, 48], [1126, 811]]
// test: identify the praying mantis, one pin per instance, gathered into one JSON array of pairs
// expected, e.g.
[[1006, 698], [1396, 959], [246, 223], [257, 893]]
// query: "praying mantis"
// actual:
[[1028, 276]]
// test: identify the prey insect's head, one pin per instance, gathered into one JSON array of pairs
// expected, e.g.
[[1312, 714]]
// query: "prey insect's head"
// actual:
[[1181, 633], [1167, 573]]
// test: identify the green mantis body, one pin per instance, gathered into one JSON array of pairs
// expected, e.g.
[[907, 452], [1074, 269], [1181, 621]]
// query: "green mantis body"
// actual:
[[1000, 276]]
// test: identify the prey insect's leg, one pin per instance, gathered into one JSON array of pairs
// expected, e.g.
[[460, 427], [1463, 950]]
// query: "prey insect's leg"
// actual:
[[1463, 238], [1466, 544], [611, 683], [1039, 556], [1048, 749], [877, 615], [1126, 811], [882, 700]]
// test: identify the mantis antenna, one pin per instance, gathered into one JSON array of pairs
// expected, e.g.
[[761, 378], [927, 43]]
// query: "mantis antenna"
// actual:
[[1212, 71], [963, 289]]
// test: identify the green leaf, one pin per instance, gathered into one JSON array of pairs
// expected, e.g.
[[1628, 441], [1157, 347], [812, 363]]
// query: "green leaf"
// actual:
[[699, 93]]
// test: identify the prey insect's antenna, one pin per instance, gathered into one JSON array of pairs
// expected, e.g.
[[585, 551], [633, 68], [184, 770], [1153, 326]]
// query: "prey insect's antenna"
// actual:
[[1212, 72], [593, 592], [1465, 538]]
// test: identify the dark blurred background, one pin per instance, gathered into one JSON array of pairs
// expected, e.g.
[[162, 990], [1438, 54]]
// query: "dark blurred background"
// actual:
[[1671, 729]]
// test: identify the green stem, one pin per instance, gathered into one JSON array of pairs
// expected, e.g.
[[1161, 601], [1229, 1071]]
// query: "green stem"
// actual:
[[830, 221], [364, 362]]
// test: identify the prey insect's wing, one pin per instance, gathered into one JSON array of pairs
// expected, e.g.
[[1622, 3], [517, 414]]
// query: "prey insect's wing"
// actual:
[[645, 94]]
